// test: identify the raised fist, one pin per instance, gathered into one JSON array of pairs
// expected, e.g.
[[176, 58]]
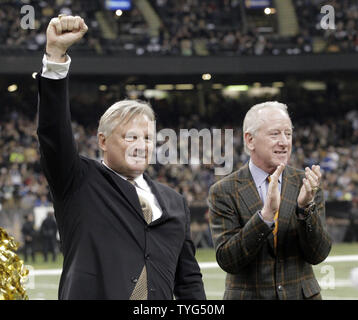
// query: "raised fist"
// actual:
[[62, 32]]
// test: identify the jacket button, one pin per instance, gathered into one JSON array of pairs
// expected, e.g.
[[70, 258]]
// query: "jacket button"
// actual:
[[147, 256], [134, 280]]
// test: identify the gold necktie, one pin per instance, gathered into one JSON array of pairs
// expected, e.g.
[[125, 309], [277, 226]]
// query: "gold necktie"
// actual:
[[140, 291], [274, 231]]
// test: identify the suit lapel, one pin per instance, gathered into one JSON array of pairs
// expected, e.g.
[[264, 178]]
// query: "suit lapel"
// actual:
[[248, 192], [127, 190]]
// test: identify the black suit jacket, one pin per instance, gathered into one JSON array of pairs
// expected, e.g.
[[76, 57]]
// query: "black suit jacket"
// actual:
[[105, 239]]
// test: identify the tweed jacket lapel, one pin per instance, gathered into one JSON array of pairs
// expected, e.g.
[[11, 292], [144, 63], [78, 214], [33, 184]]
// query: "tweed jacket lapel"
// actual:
[[248, 192]]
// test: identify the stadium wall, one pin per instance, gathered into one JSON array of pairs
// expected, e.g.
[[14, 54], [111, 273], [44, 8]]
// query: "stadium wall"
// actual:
[[239, 65]]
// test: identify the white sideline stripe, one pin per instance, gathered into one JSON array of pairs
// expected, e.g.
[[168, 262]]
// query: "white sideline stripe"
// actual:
[[203, 265], [344, 258], [208, 265], [45, 272]]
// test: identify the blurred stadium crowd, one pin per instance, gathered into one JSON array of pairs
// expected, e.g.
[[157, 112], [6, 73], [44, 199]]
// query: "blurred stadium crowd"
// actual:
[[186, 27], [331, 142]]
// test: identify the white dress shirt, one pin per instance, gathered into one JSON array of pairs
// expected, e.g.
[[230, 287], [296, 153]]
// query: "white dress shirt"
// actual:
[[55, 70]]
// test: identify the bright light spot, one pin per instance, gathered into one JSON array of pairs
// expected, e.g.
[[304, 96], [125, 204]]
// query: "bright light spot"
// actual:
[[119, 12], [102, 87], [184, 86], [278, 84], [164, 87], [267, 11], [12, 88], [34, 74], [206, 76], [237, 88]]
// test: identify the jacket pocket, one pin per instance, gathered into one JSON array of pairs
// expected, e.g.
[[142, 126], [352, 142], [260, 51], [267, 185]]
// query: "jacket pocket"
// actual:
[[310, 288]]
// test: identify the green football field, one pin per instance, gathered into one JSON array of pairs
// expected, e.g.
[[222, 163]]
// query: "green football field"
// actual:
[[333, 275]]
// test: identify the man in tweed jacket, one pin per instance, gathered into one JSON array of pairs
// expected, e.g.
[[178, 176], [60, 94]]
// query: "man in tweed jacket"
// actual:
[[246, 206]]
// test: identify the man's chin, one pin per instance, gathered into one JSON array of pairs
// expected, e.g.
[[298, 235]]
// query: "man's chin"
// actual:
[[138, 165], [277, 162], [134, 161]]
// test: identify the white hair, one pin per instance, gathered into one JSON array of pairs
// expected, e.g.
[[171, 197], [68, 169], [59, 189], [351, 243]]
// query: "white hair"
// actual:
[[253, 121], [121, 112]]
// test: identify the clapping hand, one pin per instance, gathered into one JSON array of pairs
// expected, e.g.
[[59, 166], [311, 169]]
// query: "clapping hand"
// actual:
[[311, 183], [273, 197]]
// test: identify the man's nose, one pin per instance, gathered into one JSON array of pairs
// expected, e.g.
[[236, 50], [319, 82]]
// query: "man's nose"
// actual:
[[140, 145], [284, 140]]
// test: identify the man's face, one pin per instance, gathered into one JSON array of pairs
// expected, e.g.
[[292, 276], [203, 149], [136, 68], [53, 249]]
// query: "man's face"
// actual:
[[129, 148], [272, 142]]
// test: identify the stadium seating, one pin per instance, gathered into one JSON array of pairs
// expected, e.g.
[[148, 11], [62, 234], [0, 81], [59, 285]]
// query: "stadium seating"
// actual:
[[185, 28]]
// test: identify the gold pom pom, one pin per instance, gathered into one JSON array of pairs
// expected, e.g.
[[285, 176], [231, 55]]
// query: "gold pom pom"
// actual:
[[13, 273]]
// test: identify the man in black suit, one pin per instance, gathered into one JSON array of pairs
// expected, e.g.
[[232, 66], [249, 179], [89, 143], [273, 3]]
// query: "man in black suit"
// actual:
[[48, 232], [123, 235]]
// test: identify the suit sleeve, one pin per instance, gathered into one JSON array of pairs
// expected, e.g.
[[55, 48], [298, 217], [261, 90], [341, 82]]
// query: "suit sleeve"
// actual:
[[236, 244], [59, 157], [314, 239], [188, 278]]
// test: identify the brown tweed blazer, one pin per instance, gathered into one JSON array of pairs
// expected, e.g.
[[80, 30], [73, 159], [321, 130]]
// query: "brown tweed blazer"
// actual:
[[244, 243]]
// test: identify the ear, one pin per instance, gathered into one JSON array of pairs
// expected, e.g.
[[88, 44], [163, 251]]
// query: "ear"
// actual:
[[102, 142], [249, 139]]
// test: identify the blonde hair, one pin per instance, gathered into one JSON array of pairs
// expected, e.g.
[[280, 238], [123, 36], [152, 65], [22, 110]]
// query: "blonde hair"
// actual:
[[253, 121], [122, 112]]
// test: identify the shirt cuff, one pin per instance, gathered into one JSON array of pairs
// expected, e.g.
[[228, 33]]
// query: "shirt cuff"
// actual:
[[55, 70], [268, 223]]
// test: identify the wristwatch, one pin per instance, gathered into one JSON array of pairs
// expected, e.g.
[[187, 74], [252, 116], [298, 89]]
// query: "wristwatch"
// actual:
[[307, 210]]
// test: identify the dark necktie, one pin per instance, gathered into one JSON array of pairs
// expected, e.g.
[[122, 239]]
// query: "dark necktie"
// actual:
[[140, 291]]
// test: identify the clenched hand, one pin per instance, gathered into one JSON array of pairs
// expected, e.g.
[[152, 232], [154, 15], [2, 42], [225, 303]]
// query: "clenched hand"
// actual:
[[62, 32]]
